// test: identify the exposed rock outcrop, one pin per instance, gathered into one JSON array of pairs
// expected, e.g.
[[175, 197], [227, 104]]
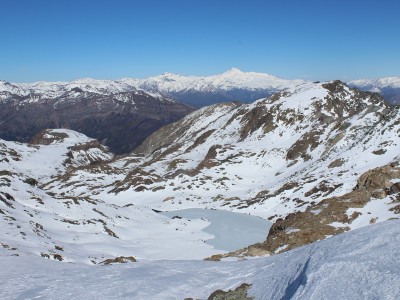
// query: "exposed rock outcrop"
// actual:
[[331, 216]]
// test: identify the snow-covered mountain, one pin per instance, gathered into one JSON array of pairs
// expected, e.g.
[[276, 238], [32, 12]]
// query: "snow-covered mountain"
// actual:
[[388, 87], [316, 159], [312, 144], [233, 85]]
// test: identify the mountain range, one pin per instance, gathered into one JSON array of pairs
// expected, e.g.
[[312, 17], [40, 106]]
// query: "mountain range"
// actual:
[[232, 85], [315, 159], [123, 113]]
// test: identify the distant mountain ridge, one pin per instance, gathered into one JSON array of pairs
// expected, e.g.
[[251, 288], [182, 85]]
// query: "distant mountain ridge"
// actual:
[[232, 85], [198, 91], [229, 86], [388, 87]]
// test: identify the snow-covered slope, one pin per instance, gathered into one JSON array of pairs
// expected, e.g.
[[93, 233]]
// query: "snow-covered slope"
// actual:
[[75, 227], [389, 87], [316, 159], [363, 264]]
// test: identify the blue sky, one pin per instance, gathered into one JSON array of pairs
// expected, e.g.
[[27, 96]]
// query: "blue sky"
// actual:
[[110, 39]]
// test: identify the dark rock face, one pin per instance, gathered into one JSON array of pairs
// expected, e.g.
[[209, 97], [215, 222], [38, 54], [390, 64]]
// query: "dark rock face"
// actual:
[[120, 121]]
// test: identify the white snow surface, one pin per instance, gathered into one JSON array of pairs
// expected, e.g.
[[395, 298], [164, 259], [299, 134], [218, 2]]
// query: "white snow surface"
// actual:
[[361, 264]]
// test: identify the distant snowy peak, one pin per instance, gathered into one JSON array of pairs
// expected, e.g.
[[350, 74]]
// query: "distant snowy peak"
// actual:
[[232, 85], [231, 79]]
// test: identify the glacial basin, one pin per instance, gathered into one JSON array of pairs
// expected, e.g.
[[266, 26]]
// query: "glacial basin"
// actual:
[[231, 230]]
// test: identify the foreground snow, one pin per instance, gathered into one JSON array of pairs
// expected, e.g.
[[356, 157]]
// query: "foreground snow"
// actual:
[[362, 264]]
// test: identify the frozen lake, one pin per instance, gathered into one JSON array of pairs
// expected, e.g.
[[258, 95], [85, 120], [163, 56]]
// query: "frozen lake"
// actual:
[[231, 230]]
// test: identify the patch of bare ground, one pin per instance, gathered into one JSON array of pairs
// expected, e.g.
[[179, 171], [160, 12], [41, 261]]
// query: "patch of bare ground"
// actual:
[[240, 293], [119, 260], [54, 256], [6, 153], [47, 137], [7, 199], [138, 179], [250, 251], [110, 232], [308, 142], [200, 140], [84, 147]]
